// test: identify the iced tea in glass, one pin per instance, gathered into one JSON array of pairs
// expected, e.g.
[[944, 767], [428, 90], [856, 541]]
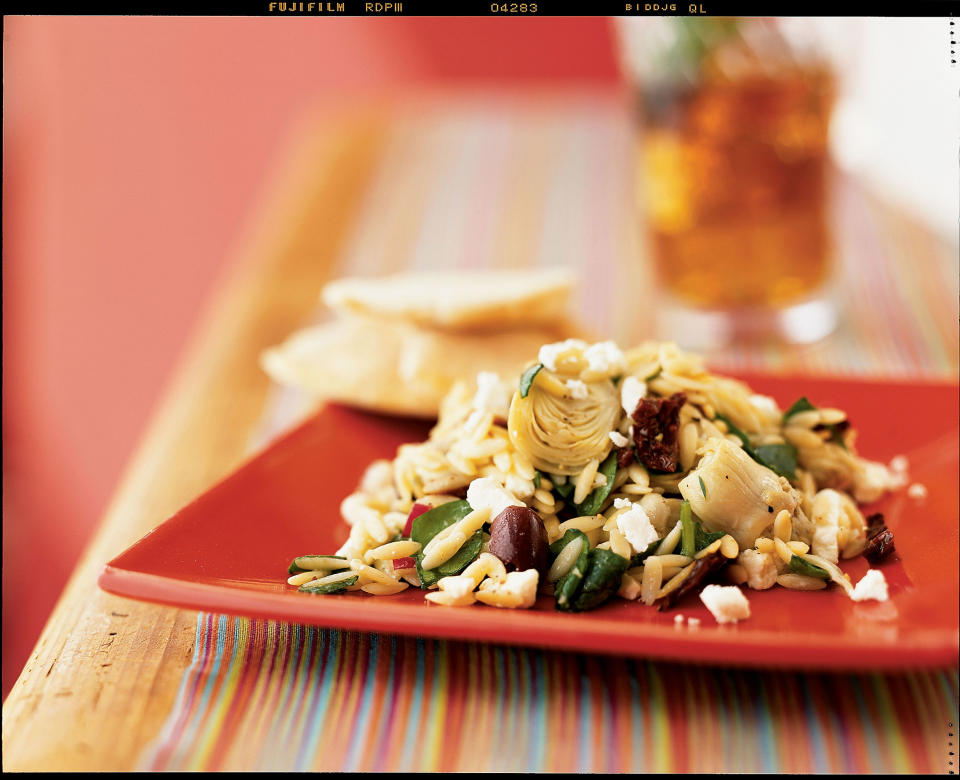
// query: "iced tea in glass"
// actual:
[[732, 165]]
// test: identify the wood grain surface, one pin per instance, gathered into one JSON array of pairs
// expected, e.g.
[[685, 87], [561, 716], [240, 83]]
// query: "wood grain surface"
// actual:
[[105, 671]]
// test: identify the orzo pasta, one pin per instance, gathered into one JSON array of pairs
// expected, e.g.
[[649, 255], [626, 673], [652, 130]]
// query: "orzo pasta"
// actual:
[[601, 472]]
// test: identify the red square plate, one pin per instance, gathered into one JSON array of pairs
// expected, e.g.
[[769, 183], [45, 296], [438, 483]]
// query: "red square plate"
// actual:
[[228, 551]]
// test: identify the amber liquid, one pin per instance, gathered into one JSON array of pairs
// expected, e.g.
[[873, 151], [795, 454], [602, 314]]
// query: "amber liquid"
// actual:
[[734, 189]]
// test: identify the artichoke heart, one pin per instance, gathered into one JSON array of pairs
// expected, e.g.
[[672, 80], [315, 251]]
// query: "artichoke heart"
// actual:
[[560, 428], [731, 492]]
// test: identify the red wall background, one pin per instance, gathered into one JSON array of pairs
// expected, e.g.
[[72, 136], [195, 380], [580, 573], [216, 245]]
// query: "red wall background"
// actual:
[[134, 149]]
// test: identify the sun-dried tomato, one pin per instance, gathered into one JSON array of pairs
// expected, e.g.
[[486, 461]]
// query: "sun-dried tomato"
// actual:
[[879, 545], [875, 521], [624, 457], [702, 569], [655, 431]]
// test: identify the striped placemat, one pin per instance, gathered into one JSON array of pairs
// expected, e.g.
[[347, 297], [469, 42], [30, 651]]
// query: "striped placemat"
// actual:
[[262, 695], [484, 184]]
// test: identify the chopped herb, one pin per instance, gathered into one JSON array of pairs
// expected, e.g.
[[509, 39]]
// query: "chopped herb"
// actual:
[[526, 379], [616, 379], [703, 487], [563, 490], [802, 566], [328, 587], [536, 479], [800, 405], [295, 568], [688, 532], [654, 375], [428, 525], [592, 503]]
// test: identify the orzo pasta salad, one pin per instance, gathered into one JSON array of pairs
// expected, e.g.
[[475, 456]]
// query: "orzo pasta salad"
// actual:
[[602, 473]]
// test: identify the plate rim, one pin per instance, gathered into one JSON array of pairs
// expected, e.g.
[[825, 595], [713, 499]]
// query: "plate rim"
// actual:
[[671, 643]]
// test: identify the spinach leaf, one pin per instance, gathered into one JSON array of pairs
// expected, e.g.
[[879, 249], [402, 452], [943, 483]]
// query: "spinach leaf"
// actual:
[[800, 565], [836, 436], [567, 586], [779, 458], [800, 405], [803, 405], [526, 379], [738, 433], [563, 490], [295, 569], [592, 503], [705, 538], [688, 532], [463, 558], [571, 533], [428, 525], [604, 572], [330, 587]]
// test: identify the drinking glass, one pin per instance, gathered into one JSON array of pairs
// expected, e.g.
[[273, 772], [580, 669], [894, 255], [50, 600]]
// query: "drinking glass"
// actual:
[[732, 174]]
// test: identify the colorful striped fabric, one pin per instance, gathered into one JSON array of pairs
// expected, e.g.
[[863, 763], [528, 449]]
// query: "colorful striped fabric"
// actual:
[[485, 185], [263, 695]]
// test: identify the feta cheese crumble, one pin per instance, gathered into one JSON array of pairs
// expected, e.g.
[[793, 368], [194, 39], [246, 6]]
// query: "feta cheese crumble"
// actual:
[[636, 527], [458, 587], [873, 586], [631, 391], [486, 492], [761, 569], [518, 590], [550, 353], [726, 603], [577, 388], [605, 357]]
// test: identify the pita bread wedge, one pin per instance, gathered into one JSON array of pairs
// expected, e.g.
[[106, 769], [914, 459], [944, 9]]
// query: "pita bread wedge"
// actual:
[[459, 300], [400, 369]]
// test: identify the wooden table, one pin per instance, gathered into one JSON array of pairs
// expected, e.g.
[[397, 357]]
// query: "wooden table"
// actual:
[[105, 672]]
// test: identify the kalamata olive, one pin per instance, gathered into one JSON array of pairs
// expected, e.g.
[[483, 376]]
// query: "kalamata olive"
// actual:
[[518, 538]]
